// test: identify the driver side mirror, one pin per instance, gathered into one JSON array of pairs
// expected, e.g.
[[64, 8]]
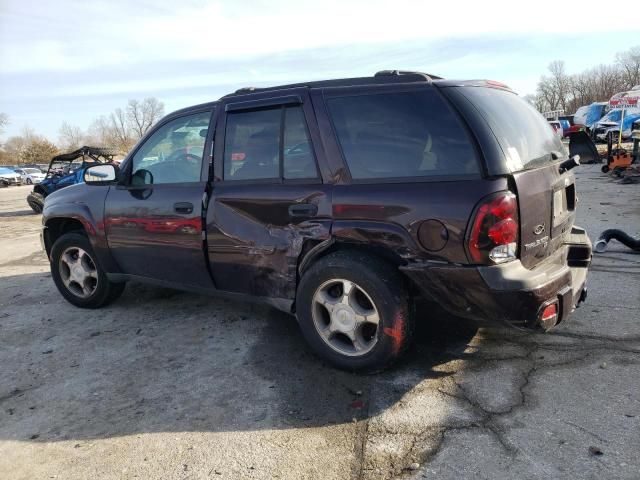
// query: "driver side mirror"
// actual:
[[100, 174]]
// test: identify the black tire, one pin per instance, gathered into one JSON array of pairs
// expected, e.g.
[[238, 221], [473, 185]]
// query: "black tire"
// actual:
[[105, 291], [385, 287], [605, 168], [36, 202], [29, 181]]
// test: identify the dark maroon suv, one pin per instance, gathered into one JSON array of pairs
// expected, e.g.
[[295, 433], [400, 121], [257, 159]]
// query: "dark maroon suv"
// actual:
[[341, 202]]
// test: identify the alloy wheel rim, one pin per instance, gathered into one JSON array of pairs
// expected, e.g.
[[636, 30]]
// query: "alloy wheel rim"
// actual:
[[345, 317], [78, 272]]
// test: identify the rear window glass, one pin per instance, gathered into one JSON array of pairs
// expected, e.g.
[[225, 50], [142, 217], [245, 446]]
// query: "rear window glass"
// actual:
[[399, 135], [526, 138]]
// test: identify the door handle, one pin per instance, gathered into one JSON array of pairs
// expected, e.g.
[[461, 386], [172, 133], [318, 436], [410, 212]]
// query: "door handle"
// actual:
[[183, 207], [303, 210]]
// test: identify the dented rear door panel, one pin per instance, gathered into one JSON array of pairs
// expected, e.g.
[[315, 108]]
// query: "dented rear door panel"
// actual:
[[253, 243]]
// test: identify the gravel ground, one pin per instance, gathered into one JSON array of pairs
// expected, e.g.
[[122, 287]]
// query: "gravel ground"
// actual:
[[171, 385]]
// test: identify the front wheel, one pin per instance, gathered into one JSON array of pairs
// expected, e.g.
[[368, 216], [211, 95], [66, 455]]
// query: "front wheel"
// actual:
[[77, 274], [36, 201], [604, 169], [354, 311], [29, 181]]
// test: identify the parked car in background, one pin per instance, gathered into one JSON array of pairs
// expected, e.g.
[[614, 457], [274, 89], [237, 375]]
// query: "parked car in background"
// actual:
[[588, 115], [342, 202], [9, 176], [30, 175], [569, 126], [608, 128]]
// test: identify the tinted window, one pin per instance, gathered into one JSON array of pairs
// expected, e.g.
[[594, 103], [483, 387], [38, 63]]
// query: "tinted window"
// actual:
[[252, 145], [412, 134], [523, 133], [299, 161], [173, 154]]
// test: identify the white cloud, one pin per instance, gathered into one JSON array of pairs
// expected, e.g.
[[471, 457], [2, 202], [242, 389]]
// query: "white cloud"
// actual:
[[76, 35]]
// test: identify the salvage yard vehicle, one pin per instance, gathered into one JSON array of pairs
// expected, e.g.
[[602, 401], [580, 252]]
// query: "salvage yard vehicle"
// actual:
[[569, 126], [588, 115], [8, 176], [342, 202], [30, 175], [65, 170], [608, 128]]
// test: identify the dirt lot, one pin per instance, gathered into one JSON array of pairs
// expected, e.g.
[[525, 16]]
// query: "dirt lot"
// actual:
[[171, 385]]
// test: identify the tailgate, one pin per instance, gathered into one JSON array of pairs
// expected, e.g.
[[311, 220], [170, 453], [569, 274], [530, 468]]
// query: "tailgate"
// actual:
[[546, 201]]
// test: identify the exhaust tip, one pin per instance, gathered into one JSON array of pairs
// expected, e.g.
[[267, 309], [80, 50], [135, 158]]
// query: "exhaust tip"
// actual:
[[600, 246]]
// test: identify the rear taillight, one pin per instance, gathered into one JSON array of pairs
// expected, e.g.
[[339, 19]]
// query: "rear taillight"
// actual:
[[494, 231]]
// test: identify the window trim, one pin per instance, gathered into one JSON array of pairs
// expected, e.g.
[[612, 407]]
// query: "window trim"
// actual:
[[342, 92], [265, 103], [255, 106]]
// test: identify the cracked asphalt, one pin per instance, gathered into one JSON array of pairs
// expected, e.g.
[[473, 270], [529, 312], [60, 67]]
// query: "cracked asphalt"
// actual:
[[171, 385]]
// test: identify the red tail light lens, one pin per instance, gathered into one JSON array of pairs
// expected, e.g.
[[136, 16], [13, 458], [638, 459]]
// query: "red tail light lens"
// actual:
[[494, 231]]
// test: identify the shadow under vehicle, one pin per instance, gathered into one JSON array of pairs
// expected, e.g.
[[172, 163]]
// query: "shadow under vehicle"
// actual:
[[67, 169]]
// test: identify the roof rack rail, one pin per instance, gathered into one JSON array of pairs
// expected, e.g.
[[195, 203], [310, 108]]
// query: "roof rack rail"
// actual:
[[427, 76], [245, 90]]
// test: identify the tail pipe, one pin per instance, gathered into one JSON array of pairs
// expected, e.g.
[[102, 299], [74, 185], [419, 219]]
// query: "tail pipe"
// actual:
[[619, 235]]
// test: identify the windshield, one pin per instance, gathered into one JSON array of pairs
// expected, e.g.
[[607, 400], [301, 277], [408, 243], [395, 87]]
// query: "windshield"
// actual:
[[6, 170], [31, 170], [527, 139]]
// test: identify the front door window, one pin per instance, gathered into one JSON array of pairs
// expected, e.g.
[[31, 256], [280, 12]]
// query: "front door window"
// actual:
[[173, 154]]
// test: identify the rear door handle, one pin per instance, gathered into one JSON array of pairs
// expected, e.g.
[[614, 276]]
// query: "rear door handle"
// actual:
[[303, 210], [183, 207]]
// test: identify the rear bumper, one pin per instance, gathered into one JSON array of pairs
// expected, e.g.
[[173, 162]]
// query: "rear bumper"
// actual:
[[510, 293]]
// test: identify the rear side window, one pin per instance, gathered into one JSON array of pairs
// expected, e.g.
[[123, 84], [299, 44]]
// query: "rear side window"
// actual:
[[401, 135], [526, 138], [258, 148]]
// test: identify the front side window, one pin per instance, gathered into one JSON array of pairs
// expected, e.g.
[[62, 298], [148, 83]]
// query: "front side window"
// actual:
[[173, 154], [401, 135], [256, 147]]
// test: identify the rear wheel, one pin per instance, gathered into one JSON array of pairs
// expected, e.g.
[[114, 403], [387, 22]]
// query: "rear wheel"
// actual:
[[77, 274], [354, 311]]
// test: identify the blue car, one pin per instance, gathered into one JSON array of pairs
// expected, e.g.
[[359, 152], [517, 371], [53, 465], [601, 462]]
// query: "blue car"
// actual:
[[65, 170]]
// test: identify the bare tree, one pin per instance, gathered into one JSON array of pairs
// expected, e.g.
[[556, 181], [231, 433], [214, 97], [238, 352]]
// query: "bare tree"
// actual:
[[629, 62], [598, 84], [122, 128], [121, 131], [142, 115], [70, 137], [4, 121], [560, 81]]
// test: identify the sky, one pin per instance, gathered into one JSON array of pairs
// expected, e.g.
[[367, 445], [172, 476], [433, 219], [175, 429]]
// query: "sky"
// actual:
[[73, 61]]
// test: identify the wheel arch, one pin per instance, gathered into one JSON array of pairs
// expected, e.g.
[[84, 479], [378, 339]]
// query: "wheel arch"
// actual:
[[37, 188], [58, 226], [314, 251]]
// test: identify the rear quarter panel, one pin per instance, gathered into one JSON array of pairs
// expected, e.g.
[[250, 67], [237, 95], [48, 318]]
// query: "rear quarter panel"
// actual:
[[389, 215]]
